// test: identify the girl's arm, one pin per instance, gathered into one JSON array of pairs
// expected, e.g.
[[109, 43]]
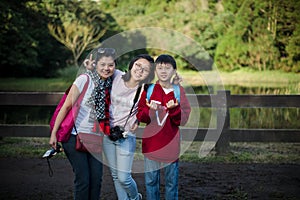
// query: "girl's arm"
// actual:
[[71, 98]]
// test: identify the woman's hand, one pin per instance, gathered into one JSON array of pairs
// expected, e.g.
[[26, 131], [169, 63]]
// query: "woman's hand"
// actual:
[[53, 141], [89, 63], [134, 127]]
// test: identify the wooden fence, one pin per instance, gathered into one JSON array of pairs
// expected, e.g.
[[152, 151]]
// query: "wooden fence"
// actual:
[[222, 102]]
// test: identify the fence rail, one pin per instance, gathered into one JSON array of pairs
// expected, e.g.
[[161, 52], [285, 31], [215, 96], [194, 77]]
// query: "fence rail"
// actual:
[[222, 101]]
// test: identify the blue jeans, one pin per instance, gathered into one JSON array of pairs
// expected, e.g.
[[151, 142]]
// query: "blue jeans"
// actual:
[[119, 156], [87, 170], [152, 179]]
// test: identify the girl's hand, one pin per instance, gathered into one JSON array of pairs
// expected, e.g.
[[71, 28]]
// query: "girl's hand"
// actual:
[[88, 63], [53, 141]]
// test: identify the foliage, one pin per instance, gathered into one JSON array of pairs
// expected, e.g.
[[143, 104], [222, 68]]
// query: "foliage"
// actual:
[[27, 49], [249, 42], [78, 25], [259, 35], [237, 34]]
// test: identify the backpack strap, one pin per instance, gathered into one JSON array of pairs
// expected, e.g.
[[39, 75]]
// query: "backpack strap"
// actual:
[[177, 92], [149, 91]]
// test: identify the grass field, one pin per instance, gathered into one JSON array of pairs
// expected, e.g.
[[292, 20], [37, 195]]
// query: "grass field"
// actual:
[[239, 152], [281, 82]]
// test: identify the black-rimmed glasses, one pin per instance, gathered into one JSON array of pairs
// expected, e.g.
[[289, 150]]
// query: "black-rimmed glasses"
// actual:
[[141, 68]]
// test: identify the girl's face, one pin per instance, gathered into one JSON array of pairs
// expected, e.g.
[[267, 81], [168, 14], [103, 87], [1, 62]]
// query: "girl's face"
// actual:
[[140, 69], [105, 67]]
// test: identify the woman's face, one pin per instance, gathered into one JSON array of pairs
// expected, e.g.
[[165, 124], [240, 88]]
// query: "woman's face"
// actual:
[[105, 67], [140, 69]]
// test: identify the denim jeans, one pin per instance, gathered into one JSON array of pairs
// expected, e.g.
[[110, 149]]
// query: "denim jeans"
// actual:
[[87, 170], [152, 179], [119, 156]]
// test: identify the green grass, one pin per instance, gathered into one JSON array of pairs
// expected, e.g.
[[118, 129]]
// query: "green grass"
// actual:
[[243, 77], [17, 147], [29, 147], [242, 152], [264, 82], [34, 84], [280, 82]]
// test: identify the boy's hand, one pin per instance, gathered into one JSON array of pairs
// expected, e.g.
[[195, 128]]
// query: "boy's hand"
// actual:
[[152, 105], [172, 104], [88, 63], [177, 79]]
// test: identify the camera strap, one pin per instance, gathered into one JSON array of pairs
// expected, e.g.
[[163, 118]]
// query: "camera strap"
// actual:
[[137, 94], [50, 171]]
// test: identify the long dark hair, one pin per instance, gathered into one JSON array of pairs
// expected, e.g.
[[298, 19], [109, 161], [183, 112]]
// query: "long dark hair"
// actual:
[[151, 75]]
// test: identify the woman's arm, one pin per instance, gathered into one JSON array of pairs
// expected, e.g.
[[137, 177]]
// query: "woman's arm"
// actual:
[[71, 98]]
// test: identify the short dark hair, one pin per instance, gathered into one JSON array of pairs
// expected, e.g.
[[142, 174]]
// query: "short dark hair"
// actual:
[[151, 74], [166, 59]]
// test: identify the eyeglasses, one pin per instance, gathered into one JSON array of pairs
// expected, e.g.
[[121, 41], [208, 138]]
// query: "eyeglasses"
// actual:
[[141, 68], [110, 51]]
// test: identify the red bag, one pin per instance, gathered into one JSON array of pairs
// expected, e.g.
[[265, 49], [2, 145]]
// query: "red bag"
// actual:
[[66, 126], [89, 142]]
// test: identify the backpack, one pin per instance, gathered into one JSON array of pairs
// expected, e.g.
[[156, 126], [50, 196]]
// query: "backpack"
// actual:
[[176, 91]]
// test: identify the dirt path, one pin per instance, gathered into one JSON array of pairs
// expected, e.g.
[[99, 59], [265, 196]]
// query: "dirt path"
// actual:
[[28, 179]]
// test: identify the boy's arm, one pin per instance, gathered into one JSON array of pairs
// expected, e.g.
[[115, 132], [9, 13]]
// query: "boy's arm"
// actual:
[[185, 107], [179, 115]]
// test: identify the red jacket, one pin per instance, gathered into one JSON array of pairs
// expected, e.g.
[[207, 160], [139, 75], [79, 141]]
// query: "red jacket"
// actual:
[[162, 143]]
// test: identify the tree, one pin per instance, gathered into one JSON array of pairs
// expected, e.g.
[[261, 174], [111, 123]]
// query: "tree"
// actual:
[[78, 25], [287, 33], [27, 49], [250, 41]]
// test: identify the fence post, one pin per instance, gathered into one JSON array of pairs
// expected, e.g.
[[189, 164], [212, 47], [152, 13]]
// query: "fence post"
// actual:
[[223, 122]]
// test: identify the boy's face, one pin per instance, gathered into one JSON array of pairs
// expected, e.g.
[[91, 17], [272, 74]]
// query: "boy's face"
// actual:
[[164, 71]]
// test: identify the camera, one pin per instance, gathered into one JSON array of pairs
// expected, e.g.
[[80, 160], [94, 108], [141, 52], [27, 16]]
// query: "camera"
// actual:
[[51, 152], [116, 133]]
